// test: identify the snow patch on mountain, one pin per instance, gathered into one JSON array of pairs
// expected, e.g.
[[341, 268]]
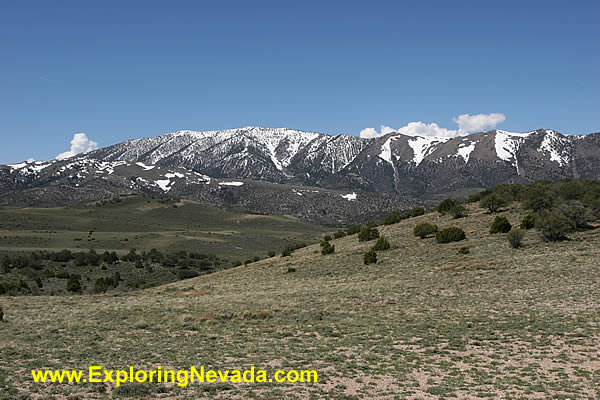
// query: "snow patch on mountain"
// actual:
[[386, 150], [144, 166], [231, 183], [507, 144], [423, 146], [350, 196], [465, 150], [557, 146], [29, 167]]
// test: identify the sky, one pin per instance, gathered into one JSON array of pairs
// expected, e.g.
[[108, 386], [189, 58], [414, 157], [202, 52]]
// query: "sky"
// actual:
[[75, 75]]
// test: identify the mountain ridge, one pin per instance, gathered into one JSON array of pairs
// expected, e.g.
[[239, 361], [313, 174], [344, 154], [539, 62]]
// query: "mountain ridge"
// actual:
[[197, 165]]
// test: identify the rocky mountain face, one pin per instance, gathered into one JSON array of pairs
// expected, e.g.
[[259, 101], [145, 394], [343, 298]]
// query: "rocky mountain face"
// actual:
[[311, 175]]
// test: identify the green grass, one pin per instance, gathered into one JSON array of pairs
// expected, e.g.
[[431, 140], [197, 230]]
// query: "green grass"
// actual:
[[422, 323], [143, 223]]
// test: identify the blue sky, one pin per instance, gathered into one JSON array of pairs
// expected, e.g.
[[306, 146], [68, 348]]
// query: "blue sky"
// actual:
[[120, 70]]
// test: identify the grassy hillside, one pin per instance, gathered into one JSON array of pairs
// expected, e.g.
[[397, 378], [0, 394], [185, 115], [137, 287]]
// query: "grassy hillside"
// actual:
[[143, 223], [424, 322]]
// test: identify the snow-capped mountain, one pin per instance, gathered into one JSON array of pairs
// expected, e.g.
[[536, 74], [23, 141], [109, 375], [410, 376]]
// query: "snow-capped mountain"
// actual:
[[388, 163], [251, 152], [186, 163], [418, 165]]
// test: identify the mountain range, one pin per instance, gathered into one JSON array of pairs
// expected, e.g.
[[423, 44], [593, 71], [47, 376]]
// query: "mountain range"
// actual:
[[307, 174]]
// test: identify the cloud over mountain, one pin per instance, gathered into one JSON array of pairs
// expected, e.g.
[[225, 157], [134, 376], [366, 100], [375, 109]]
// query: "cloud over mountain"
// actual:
[[79, 144], [466, 124]]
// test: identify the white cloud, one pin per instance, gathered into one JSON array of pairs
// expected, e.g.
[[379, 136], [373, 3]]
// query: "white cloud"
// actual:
[[79, 144], [422, 129], [466, 124], [478, 122]]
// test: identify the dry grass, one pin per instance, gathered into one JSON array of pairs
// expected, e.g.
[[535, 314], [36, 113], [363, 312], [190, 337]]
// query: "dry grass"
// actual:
[[422, 323]]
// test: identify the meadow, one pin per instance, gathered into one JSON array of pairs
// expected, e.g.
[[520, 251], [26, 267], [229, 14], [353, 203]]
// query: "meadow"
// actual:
[[424, 322]]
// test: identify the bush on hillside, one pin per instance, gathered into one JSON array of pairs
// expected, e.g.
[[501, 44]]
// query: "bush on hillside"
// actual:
[[554, 226], [445, 206], [415, 212], [73, 284], [392, 218], [528, 221], [339, 234], [381, 244], [494, 201], [425, 229], [1, 314], [452, 234], [463, 250], [370, 257], [500, 225], [539, 197], [354, 229], [287, 251], [458, 211], [515, 238], [299, 245], [368, 233], [577, 213], [327, 238], [271, 253], [327, 248]]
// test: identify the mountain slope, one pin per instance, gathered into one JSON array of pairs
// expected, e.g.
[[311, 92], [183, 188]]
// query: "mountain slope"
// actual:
[[424, 322], [190, 164]]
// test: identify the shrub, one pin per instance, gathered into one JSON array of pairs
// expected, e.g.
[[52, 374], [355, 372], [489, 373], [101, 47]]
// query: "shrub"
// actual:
[[528, 221], [500, 225], [463, 250], [458, 211], [554, 226], [80, 259], [392, 218], [291, 269], [452, 234], [286, 252], [93, 258], [299, 245], [1, 314], [354, 229], [271, 253], [381, 244], [515, 238], [73, 284], [445, 206], [103, 284], [577, 213], [327, 238], [368, 233], [494, 201], [62, 256], [425, 229], [339, 234], [328, 248], [370, 257], [415, 212], [538, 197]]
